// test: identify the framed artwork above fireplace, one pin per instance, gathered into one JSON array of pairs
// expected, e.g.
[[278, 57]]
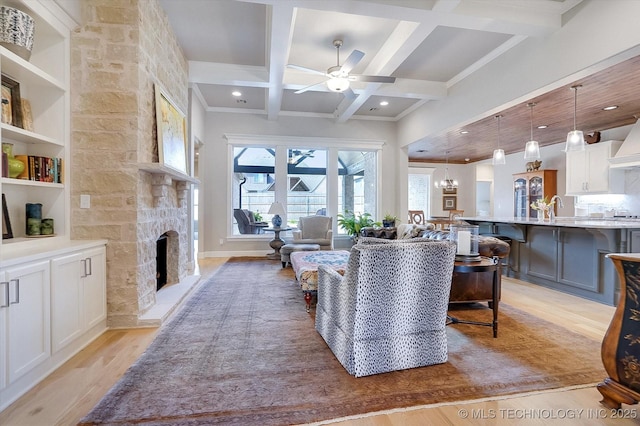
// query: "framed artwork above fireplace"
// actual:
[[171, 131]]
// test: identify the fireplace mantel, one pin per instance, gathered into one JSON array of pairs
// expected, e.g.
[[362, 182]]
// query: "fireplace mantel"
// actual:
[[163, 178], [161, 169]]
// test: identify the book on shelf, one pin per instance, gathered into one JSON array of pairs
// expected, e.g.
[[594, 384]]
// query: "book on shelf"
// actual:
[[41, 169]]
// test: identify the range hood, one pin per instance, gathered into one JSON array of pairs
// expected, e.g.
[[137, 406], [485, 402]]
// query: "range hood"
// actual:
[[628, 156]]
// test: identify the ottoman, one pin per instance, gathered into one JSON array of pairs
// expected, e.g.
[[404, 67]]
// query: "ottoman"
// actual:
[[287, 249], [305, 266]]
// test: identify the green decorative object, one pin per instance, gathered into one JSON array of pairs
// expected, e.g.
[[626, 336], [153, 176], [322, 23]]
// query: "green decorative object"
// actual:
[[15, 166], [46, 228], [33, 226]]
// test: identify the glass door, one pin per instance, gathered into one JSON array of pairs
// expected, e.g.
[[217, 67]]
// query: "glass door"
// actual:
[[535, 193], [520, 198]]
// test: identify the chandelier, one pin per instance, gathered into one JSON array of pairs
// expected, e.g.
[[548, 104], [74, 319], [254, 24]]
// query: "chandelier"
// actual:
[[447, 183]]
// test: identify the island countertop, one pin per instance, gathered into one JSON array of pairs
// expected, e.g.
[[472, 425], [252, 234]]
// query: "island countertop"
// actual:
[[563, 221]]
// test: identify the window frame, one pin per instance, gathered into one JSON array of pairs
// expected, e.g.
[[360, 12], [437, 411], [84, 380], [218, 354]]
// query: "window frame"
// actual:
[[281, 145]]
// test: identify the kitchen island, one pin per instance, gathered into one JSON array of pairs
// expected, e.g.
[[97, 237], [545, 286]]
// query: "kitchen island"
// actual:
[[567, 254]]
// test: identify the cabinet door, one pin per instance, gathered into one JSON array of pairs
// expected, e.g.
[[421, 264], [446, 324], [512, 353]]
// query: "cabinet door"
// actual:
[[4, 310], [536, 192], [520, 198], [578, 260], [576, 172], [94, 286], [29, 337], [597, 162], [543, 252], [66, 300]]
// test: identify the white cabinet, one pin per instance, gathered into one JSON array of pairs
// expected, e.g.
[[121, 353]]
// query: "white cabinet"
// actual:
[[588, 171], [27, 318], [78, 295], [52, 304]]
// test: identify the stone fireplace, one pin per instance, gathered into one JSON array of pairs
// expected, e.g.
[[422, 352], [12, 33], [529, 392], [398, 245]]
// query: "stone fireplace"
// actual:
[[119, 52]]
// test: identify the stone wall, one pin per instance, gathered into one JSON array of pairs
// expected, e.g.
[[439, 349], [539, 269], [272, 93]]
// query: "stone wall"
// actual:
[[121, 50]]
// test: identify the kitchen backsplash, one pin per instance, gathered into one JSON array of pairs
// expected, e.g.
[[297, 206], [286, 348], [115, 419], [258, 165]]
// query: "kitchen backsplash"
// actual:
[[627, 204]]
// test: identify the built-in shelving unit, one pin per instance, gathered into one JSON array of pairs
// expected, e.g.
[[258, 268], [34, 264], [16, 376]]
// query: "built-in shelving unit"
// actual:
[[44, 81]]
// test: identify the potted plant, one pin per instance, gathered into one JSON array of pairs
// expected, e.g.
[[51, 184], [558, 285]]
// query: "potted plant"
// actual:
[[353, 224], [257, 217], [389, 220]]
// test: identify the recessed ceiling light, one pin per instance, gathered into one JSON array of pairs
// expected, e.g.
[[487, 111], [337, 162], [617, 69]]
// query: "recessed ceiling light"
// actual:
[[422, 150], [610, 107], [466, 159], [464, 132], [542, 126], [236, 93], [384, 103]]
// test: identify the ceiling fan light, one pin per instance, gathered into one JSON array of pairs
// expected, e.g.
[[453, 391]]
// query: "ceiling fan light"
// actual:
[[498, 157], [575, 141], [338, 84], [532, 150]]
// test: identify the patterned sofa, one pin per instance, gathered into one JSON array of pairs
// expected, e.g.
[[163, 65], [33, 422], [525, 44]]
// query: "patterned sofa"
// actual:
[[465, 288], [389, 310]]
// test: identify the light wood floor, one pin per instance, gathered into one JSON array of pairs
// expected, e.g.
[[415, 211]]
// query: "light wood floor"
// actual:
[[71, 391]]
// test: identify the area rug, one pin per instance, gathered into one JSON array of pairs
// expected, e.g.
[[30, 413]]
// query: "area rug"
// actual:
[[243, 350]]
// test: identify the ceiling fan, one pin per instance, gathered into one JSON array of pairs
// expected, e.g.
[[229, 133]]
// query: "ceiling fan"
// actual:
[[339, 77]]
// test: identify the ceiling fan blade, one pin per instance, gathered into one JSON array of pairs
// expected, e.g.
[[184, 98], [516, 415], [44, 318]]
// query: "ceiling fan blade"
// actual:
[[349, 94], [372, 78], [312, 71], [352, 61], [304, 89]]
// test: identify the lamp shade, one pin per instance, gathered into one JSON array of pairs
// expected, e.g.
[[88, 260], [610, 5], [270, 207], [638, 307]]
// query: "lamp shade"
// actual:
[[498, 157], [532, 150], [575, 141]]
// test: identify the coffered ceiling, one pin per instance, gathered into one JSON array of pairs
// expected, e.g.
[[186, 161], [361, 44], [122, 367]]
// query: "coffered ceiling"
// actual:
[[427, 45]]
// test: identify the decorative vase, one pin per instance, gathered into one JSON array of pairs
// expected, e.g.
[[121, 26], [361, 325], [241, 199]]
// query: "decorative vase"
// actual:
[[15, 166], [540, 215], [34, 218], [16, 31]]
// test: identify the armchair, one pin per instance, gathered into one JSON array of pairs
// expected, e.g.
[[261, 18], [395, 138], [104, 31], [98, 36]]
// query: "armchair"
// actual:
[[246, 222], [389, 310], [314, 230]]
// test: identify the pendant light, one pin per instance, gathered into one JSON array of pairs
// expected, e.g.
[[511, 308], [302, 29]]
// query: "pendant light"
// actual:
[[447, 183], [575, 138], [498, 154], [532, 148]]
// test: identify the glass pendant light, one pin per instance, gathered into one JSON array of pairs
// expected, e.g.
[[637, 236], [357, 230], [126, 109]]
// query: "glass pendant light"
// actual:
[[575, 138], [498, 154], [447, 183], [532, 148]]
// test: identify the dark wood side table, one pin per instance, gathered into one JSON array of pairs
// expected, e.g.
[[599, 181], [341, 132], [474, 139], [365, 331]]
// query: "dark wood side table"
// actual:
[[276, 243], [486, 264]]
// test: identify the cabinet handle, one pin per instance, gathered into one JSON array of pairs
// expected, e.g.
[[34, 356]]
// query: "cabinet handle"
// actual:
[[17, 300], [88, 260], [6, 294], [84, 268]]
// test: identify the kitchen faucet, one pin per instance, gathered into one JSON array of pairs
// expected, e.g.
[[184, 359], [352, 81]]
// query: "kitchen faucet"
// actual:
[[560, 203]]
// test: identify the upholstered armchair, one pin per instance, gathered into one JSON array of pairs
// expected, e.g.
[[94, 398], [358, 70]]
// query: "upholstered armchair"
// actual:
[[314, 230], [388, 312], [246, 222]]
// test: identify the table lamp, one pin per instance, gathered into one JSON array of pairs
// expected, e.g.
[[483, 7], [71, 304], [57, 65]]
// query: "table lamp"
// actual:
[[276, 210]]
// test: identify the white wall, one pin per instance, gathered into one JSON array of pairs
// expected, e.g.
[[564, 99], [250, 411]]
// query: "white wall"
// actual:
[[215, 214]]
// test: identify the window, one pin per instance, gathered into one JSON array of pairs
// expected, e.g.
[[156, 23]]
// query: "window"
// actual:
[[253, 181], [357, 183], [307, 177], [303, 174], [420, 190]]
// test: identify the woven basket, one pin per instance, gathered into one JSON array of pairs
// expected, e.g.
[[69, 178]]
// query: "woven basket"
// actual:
[[16, 31]]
